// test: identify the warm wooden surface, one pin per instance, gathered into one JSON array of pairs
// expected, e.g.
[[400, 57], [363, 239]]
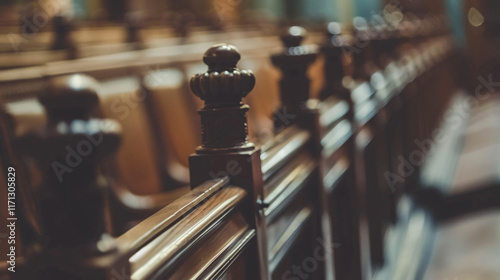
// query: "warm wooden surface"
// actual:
[[287, 222], [163, 218], [181, 235]]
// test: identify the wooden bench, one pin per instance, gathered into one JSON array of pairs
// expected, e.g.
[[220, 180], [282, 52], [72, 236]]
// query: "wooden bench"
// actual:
[[311, 200]]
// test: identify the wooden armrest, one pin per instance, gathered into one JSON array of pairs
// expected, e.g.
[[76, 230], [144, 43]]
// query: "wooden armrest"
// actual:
[[159, 221], [173, 241]]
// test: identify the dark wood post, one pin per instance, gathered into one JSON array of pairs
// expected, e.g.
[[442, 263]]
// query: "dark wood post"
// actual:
[[71, 199], [384, 40], [63, 26], [371, 155], [15, 188], [333, 50], [329, 125], [293, 62], [362, 49], [133, 26], [225, 149]]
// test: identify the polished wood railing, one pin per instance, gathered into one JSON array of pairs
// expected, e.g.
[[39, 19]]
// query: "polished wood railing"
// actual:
[[312, 200]]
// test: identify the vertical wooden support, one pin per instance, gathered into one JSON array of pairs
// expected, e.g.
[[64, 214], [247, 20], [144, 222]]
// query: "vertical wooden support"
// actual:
[[62, 36], [27, 220], [333, 50], [293, 62], [133, 26], [225, 149], [71, 199]]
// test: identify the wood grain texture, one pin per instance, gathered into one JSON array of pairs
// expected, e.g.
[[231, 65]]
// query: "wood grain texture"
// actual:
[[182, 235], [280, 149], [158, 222], [283, 187], [216, 256]]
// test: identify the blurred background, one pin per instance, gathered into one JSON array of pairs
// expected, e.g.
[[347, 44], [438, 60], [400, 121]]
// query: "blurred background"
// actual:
[[97, 26], [142, 53]]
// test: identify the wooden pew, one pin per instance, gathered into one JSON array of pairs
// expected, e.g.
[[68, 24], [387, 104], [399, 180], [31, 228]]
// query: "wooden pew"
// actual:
[[281, 181], [73, 241], [280, 184], [317, 183], [329, 124], [160, 170], [337, 132], [59, 39], [367, 87]]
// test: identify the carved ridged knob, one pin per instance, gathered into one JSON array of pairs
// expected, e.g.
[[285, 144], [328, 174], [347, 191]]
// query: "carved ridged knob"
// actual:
[[70, 97], [333, 48], [134, 22], [362, 31], [334, 29], [222, 87], [364, 49], [380, 28], [63, 26], [68, 150], [68, 101], [334, 39], [223, 82], [293, 36], [293, 61], [294, 55]]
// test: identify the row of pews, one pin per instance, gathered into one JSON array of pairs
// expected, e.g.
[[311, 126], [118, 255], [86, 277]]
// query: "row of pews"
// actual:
[[41, 38], [319, 178]]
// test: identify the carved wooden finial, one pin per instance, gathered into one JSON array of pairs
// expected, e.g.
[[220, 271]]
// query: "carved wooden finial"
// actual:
[[69, 97], [133, 24], [334, 42], [293, 62], [333, 49], [181, 21], [63, 25], [362, 48], [222, 87], [68, 151], [384, 41], [293, 36]]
